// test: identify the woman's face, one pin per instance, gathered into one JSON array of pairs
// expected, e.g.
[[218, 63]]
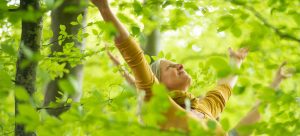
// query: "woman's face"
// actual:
[[174, 76]]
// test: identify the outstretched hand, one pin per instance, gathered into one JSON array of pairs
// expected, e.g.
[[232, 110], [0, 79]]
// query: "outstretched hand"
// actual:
[[283, 72], [238, 56]]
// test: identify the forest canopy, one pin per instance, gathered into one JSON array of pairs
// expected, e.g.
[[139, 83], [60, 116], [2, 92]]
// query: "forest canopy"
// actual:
[[61, 74]]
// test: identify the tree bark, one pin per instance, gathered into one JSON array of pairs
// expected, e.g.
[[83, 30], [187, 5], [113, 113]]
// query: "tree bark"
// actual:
[[26, 74], [152, 40], [60, 16], [152, 43]]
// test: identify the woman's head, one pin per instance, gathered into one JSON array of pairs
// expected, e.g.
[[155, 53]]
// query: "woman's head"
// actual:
[[171, 74]]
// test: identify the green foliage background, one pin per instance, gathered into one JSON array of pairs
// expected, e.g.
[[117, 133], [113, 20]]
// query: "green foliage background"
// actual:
[[203, 31]]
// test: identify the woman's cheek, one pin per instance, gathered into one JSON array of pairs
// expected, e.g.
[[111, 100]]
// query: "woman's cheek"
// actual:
[[174, 73]]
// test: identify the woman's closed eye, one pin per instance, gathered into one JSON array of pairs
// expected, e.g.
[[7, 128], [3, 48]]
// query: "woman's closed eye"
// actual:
[[171, 66]]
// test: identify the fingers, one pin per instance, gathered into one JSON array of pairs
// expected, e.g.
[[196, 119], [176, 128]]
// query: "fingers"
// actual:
[[240, 54], [287, 72], [284, 72], [232, 53], [279, 71], [243, 52]]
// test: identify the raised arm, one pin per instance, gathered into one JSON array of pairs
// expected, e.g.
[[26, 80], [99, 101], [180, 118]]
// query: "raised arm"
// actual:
[[236, 59], [213, 103], [108, 16], [253, 115], [130, 50]]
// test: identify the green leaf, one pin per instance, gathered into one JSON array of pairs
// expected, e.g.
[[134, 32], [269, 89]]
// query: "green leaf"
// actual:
[[154, 58], [212, 125], [68, 85], [49, 3], [8, 49], [125, 18], [108, 29], [6, 84], [21, 94], [191, 5], [225, 124], [135, 30], [167, 3], [57, 3], [236, 31], [137, 7], [161, 54], [225, 22], [74, 23], [168, 56], [158, 105], [148, 58], [85, 35], [179, 3], [62, 27], [27, 51], [79, 18], [94, 31], [296, 18], [221, 66], [239, 2], [28, 116]]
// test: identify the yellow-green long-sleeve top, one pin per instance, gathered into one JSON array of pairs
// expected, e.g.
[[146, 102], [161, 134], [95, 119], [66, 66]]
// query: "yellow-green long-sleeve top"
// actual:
[[211, 105]]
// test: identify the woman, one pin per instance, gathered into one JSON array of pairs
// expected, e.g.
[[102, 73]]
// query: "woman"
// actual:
[[172, 75]]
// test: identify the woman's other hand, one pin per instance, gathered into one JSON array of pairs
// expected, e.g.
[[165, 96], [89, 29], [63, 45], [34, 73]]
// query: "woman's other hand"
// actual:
[[283, 72], [237, 57]]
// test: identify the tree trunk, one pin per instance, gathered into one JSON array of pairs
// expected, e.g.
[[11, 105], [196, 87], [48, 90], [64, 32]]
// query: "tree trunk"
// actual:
[[26, 75], [60, 16], [152, 40], [152, 43]]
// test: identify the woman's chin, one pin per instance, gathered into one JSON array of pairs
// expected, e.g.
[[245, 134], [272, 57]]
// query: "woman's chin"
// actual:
[[188, 82]]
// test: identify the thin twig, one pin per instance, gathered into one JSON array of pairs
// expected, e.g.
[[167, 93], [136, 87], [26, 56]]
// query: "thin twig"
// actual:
[[268, 24], [68, 106], [53, 108], [74, 36], [8, 132]]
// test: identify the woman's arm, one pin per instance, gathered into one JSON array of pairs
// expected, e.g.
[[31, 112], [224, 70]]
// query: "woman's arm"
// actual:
[[144, 78], [108, 16], [215, 100], [253, 115], [130, 50], [236, 59], [281, 74]]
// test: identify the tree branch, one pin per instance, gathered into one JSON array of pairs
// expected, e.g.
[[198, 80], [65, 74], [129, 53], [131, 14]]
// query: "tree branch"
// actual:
[[129, 78], [14, 10], [83, 28], [268, 24], [7, 133]]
